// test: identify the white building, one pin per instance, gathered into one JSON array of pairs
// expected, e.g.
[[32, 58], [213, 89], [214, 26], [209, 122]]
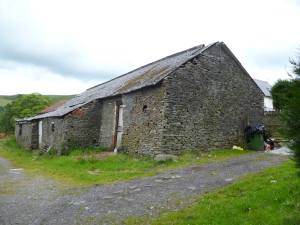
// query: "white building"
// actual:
[[266, 88]]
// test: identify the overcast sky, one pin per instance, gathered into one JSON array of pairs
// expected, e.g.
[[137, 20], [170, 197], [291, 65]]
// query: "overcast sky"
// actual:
[[64, 47]]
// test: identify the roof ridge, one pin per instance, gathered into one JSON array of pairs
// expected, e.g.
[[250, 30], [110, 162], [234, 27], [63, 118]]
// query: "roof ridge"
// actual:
[[201, 46], [115, 86], [196, 54]]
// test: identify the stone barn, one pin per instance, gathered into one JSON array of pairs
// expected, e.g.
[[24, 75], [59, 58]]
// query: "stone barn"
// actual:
[[201, 98]]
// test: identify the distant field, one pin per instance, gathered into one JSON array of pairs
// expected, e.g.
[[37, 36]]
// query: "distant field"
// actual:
[[56, 98], [5, 99]]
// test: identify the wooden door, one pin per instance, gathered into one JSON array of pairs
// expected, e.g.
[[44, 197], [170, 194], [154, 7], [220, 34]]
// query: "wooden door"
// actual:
[[119, 127]]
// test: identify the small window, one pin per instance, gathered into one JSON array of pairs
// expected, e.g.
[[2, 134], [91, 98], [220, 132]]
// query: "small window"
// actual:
[[145, 108], [20, 129], [52, 126]]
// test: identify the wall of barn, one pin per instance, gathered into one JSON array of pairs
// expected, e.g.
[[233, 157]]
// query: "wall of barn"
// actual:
[[52, 133], [209, 101], [108, 122], [143, 120], [26, 134], [82, 126]]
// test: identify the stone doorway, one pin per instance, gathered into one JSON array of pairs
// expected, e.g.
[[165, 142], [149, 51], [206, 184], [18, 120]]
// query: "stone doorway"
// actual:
[[118, 126]]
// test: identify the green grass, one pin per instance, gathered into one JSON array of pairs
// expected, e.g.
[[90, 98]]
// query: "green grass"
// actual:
[[5, 99], [82, 167], [269, 197], [57, 98]]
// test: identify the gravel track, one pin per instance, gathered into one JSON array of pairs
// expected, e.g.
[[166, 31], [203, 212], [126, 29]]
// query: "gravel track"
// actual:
[[36, 201]]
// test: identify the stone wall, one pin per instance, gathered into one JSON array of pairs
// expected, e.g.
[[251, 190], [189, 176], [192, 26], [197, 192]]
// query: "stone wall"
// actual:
[[78, 128], [26, 134], [52, 133], [209, 101], [82, 126], [95, 123], [143, 120]]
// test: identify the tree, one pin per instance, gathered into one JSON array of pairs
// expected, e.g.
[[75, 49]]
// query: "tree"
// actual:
[[286, 97], [296, 67], [22, 106], [281, 93], [5, 122]]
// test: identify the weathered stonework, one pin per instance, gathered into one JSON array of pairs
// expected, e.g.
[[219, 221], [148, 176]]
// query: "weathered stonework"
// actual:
[[27, 134], [143, 120], [209, 102], [53, 133], [81, 127], [204, 103]]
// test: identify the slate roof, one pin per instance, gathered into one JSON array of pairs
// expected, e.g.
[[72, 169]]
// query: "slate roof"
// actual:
[[264, 86], [54, 106], [144, 76]]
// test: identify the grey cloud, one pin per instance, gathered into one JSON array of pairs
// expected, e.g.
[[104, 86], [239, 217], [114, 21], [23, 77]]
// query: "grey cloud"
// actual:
[[22, 43], [56, 63]]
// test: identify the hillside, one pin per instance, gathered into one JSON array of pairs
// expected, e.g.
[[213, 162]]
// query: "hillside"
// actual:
[[5, 99]]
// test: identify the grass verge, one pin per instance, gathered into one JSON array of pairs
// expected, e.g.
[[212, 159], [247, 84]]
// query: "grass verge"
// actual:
[[269, 197], [83, 166]]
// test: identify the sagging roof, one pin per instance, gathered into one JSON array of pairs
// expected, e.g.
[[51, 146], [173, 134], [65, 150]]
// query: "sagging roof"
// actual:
[[264, 86], [144, 76]]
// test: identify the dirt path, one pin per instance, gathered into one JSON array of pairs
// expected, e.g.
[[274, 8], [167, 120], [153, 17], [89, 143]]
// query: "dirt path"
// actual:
[[25, 200]]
